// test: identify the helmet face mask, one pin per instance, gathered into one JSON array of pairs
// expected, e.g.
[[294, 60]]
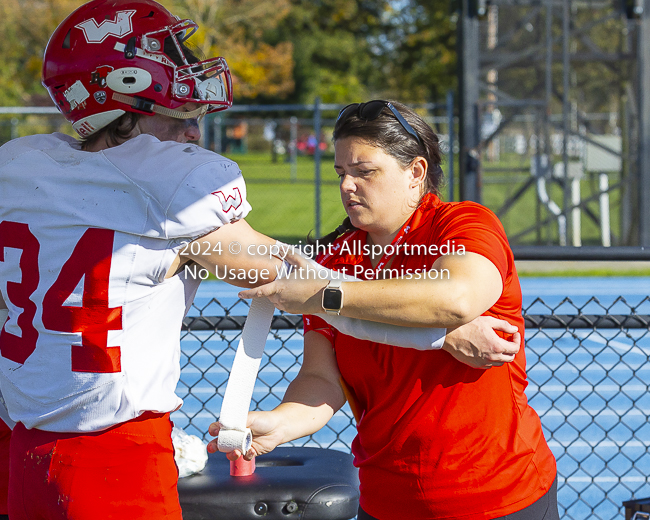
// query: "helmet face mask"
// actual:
[[109, 57], [211, 81]]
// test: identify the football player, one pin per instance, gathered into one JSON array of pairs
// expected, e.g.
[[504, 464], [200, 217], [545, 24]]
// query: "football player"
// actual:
[[92, 235], [95, 237]]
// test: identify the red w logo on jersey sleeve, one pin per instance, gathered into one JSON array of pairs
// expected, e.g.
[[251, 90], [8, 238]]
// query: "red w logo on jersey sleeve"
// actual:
[[230, 200]]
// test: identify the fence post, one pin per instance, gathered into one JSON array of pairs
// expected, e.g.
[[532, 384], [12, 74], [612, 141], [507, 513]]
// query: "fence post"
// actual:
[[14, 127], [468, 94], [216, 122], [576, 228], [317, 128], [643, 157], [566, 110], [205, 133], [605, 233], [293, 148], [450, 133]]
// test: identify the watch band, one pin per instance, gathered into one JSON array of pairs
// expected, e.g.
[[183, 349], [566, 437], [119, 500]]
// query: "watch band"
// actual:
[[332, 302]]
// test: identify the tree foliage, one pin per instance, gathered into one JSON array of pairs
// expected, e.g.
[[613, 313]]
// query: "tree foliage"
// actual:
[[278, 50], [348, 50], [236, 30], [26, 26], [232, 28], [331, 42], [415, 53]]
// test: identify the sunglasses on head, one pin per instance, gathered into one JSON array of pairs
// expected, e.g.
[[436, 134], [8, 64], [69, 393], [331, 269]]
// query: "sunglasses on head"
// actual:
[[370, 111]]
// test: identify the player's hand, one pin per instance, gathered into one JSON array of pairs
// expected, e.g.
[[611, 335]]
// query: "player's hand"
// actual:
[[477, 344], [266, 435], [300, 293]]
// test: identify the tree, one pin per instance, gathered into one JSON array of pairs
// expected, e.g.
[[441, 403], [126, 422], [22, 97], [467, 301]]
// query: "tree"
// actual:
[[26, 26], [415, 54], [232, 28], [236, 29], [278, 50], [349, 50], [331, 42]]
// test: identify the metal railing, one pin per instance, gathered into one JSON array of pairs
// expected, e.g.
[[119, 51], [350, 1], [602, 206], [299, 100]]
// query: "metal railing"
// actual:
[[588, 374]]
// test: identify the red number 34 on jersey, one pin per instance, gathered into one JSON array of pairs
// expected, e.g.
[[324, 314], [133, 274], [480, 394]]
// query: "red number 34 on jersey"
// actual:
[[90, 260]]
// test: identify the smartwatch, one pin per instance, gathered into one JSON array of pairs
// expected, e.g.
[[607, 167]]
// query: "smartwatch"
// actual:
[[333, 297]]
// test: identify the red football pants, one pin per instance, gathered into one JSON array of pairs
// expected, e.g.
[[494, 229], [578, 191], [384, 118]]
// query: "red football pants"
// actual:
[[127, 471]]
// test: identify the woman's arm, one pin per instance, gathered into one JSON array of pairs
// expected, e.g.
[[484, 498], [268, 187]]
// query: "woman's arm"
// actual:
[[309, 402], [486, 348], [465, 287], [472, 287]]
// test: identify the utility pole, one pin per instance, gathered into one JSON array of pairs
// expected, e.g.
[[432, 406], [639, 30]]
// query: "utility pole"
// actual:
[[469, 126]]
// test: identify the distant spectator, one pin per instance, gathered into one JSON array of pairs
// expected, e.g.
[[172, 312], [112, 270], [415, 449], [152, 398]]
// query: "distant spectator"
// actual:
[[239, 133]]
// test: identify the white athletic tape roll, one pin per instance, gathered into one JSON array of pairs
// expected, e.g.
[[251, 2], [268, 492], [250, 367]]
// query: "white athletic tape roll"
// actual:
[[231, 440], [239, 391]]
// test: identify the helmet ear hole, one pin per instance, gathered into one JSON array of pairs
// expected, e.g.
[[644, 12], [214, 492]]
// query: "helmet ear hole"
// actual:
[[128, 80]]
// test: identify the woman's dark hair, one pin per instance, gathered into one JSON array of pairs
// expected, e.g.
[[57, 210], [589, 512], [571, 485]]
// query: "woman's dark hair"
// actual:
[[387, 133]]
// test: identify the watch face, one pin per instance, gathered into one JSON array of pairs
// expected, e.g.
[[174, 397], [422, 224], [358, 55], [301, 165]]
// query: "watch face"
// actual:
[[332, 299]]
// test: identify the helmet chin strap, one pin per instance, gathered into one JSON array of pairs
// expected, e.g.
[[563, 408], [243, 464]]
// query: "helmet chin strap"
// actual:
[[149, 106]]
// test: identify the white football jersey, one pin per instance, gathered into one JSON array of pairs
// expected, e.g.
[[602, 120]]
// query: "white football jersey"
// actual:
[[86, 239]]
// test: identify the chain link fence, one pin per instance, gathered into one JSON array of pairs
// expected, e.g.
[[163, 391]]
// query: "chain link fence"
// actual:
[[588, 380]]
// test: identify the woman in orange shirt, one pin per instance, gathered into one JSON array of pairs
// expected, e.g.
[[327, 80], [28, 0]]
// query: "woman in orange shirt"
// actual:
[[437, 439]]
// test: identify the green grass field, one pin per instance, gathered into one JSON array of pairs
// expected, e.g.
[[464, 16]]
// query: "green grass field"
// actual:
[[286, 209]]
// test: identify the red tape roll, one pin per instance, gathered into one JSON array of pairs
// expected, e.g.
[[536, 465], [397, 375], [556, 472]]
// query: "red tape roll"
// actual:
[[242, 467]]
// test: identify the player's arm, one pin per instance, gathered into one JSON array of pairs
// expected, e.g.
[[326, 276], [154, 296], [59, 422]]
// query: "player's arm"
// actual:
[[478, 345], [235, 253], [309, 402]]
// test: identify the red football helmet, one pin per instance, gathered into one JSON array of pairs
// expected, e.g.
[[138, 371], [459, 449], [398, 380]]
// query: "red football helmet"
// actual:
[[113, 56]]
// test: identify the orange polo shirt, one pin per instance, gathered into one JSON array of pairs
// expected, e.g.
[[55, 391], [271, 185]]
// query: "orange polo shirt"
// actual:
[[438, 439]]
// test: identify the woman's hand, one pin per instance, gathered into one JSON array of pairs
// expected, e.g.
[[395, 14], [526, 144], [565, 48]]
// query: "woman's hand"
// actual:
[[299, 293], [266, 435], [309, 402]]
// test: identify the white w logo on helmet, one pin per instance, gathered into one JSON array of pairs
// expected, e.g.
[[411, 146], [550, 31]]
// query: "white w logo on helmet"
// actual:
[[121, 26]]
